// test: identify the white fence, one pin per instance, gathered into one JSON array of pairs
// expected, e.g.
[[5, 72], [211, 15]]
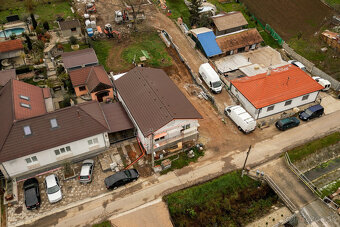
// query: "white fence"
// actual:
[[311, 67]]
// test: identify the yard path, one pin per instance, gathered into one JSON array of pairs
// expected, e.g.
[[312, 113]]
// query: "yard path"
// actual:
[[162, 22]]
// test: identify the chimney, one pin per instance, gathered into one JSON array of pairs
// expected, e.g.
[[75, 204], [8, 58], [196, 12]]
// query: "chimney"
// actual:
[[269, 71], [78, 114]]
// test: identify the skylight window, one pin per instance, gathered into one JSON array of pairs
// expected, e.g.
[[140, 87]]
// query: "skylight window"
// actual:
[[25, 97], [27, 130], [28, 106], [54, 123]]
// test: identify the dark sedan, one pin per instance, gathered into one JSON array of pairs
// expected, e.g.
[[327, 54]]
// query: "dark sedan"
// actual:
[[32, 194], [287, 123], [121, 178]]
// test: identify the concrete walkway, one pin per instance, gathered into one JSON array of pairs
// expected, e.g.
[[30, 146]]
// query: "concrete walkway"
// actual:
[[124, 199]]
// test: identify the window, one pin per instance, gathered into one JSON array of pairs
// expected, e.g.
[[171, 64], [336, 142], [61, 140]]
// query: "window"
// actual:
[[54, 123], [186, 126], [28, 106], [73, 29], [27, 130], [160, 138], [287, 103], [24, 97], [82, 88], [305, 97], [270, 108], [31, 159], [62, 150], [93, 141]]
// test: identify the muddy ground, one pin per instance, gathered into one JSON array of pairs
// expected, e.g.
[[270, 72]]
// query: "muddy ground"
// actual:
[[290, 17]]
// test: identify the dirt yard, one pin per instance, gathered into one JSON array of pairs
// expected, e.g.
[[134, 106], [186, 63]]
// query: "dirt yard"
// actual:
[[290, 17]]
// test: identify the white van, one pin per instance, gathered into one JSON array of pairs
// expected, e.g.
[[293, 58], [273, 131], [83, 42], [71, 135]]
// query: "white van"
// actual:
[[323, 82], [241, 118], [210, 77]]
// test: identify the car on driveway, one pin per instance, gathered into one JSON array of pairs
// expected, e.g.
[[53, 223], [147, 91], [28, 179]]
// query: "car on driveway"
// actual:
[[323, 82], [311, 112], [86, 171], [121, 178], [287, 123], [298, 64], [53, 188], [32, 194]]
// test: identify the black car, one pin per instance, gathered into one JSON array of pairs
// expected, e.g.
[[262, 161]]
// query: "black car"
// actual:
[[32, 194], [311, 112], [287, 123], [121, 178]]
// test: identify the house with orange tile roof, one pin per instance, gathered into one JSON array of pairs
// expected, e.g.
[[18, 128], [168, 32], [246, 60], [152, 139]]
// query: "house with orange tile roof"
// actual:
[[93, 81], [11, 49], [278, 90]]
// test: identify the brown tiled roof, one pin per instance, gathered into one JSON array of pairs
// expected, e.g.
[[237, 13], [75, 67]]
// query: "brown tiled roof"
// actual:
[[116, 117], [74, 124], [91, 76], [153, 99], [6, 75], [240, 39], [65, 25], [79, 58], [11, 45], [229, 20]]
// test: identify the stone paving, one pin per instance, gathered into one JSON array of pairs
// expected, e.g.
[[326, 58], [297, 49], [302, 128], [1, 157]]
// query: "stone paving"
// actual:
[[72, 190]]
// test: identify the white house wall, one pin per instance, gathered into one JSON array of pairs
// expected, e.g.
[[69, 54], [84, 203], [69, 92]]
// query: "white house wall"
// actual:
[[278, 107], [17, 167]]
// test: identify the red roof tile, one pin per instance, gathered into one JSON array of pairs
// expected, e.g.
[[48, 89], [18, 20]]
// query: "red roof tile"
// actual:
[[282, 84], [47, 93], [7, 75], [11, 45]]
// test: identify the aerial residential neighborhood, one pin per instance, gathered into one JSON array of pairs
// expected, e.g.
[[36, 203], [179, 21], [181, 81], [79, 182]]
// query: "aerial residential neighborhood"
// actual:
[[120, 113]]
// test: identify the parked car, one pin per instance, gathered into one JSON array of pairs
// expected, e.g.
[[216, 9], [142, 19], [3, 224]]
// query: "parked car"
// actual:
[[32, 194], [121, 178], [298, 64], [311, 112], [53, 188], [210, 77], [241, 118], [85, 175], [323, 82], [287, 123]]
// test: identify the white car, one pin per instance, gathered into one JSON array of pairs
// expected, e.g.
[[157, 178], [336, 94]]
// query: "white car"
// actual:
[[298, 64], [53, 188], [323, 82]]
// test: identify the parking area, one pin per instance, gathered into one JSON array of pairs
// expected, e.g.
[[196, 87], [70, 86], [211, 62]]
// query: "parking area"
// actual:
[[72, 190]]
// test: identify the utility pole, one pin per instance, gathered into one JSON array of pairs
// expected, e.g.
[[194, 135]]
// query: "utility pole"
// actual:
[[245, 161], [152, 154]]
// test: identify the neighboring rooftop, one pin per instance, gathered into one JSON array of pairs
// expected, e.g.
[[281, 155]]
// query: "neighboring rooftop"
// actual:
[[11, 45], [91, 76], [79, 58], [230, 20], [155, 100], [116, 117], [331, 35], [73, 123], [240, 39], [7, 75], [282, 84], [65, 25]]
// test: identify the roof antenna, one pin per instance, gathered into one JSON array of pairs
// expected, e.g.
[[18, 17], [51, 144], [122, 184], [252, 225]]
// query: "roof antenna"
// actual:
[[287, 81], [78, 114]]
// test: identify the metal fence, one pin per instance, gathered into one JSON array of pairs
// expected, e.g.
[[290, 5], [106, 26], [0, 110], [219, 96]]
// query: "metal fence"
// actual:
[[311, 67]]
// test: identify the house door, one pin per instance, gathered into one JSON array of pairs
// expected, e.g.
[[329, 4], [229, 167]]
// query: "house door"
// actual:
[[101, 95]]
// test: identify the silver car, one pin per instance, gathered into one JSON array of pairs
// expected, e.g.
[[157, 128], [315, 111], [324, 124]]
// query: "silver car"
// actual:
[[86, 171], [53, 188]]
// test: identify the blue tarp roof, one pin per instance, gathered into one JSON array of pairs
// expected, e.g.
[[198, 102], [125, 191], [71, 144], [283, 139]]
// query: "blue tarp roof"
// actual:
[[209, 44]]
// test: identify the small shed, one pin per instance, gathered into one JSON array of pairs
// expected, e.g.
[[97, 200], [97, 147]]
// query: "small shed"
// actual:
[[70, 28], [206, 40]]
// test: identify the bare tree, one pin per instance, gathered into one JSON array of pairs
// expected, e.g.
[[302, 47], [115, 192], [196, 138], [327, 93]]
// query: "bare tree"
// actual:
[[135, 6]]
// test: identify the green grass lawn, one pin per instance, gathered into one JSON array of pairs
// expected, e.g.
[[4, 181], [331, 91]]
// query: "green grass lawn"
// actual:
[[102, 49], [181, 160], [103, 224], [153, 45], [334, 3], [330, 188], [301, 152], [229, 200], [179, 9], [45, 11]]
